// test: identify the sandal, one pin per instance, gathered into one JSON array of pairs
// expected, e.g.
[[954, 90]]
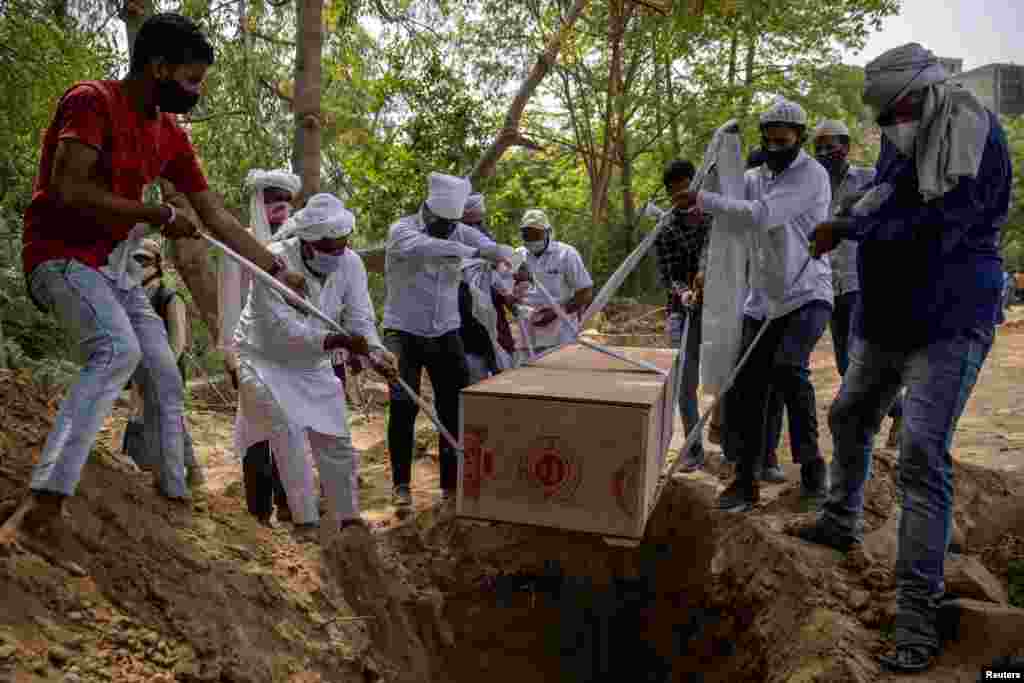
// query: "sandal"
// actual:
[[909, 659]]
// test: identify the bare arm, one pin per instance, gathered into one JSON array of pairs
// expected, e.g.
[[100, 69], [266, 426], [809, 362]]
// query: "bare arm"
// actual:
[[580, 300], [76, 183], [177, 322], [226, 228]]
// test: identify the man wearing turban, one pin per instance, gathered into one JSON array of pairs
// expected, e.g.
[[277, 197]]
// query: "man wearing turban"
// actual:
[[285, 375], [933, 216], [423, 267]]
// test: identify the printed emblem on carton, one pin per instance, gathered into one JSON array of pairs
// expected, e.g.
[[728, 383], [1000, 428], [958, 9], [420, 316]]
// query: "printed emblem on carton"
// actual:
[[625, 484], [552, 468], [478, 462]]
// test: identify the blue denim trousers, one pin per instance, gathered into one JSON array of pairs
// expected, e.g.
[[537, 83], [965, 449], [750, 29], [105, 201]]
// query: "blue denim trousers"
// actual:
[[842, 335], [939, 379], [689, 409], [114, 330]]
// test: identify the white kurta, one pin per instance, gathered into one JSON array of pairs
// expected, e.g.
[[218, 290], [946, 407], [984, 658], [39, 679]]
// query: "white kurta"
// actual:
[[287, 373], [481, 276], [560, 269]]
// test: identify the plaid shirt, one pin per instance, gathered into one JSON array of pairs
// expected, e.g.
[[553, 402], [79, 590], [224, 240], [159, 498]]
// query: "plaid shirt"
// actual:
[[681, 251]]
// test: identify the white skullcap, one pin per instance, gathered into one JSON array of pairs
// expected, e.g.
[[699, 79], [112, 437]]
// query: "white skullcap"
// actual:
[[474, 210], [899, 71], [446, 196], [786, 112], [535, 218], [324, 217], [258, 179], [833, 127]]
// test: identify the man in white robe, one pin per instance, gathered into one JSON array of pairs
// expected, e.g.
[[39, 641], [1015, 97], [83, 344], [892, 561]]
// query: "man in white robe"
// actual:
[[285, 375]]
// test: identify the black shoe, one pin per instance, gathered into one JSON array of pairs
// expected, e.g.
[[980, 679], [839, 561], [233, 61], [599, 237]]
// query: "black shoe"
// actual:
[[735, 499], [909, 659], [824, 533], [773, 475]]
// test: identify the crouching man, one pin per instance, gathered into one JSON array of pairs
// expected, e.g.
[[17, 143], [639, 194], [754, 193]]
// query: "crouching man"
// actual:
[[285, 374]]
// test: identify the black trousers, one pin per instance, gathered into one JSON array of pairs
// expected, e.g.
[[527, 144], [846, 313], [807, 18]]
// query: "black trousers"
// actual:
[[445, 362], [263, 487], [774, 366]]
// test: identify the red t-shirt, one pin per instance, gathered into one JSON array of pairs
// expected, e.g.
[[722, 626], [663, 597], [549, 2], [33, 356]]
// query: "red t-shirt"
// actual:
[[134, 151]]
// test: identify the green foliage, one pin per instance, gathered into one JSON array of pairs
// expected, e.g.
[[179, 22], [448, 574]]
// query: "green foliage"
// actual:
[[1013, 231]]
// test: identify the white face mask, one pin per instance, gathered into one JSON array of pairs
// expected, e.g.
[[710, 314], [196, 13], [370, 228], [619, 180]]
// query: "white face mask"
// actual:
[[903, 135], [535, 247], [324, 263]]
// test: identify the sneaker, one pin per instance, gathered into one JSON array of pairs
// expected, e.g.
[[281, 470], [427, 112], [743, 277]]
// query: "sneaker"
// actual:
[[284, 513], [909, 659], [306, 533], [734, 499], [894, 433], [821, 532], [401, 498], [773, 475]]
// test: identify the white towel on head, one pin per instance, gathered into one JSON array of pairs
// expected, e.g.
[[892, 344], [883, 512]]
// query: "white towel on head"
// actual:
[[324, 217], [951, 140], [447, 195]]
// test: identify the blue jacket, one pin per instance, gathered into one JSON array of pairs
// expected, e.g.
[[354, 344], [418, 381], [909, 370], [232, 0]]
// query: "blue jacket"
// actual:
[[929, 271]]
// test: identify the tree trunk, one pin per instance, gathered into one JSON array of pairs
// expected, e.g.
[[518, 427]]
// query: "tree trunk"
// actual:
[[190, 257], [306, 153], [510, 135]]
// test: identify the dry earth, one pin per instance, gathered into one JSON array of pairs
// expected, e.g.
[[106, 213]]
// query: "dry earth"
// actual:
[[209, 595]]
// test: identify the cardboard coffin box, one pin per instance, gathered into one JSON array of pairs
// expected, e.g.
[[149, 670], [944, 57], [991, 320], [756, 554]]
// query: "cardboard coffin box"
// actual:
[[576, 441]]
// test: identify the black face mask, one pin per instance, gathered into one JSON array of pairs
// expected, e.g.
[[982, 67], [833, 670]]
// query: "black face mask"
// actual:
[[441, 228], [833, 160], [778, 160], [172, 98]]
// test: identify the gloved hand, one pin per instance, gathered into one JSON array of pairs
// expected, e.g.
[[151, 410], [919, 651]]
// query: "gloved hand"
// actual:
[[498, 253]]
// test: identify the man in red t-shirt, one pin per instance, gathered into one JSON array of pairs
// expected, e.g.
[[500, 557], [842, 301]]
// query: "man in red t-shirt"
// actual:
[[108, 141]]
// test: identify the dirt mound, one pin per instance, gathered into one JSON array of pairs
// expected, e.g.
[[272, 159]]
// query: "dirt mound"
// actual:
[[209, 595]]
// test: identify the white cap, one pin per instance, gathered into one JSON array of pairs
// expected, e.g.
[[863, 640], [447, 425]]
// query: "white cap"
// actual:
[[786, 112], [535, 218], [324, 217], [447, 195], [832, 127], [258, 179]]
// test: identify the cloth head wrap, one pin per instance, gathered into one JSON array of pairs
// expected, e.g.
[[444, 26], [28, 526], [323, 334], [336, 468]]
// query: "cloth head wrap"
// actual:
[[831, 127], [786, 112], [899, 71], [324, 217], [256, 182], [954, 124], [446, 196], [474, 211]]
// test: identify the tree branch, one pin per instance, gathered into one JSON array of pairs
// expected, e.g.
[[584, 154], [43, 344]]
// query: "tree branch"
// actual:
[[487, 163]]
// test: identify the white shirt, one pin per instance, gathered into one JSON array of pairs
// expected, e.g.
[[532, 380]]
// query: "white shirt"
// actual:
[[779, 213], [561, 270], [422, 275], [285, 347]]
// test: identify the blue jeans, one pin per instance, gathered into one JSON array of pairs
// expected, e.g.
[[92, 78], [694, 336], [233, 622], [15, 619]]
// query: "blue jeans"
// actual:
[[115, 329], [842, 332], [939, 379], [797, 402], [689, 409]]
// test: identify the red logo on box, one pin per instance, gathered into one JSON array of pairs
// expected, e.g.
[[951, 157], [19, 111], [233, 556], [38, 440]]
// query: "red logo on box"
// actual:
[[477, 463], [552, 468], [624, 486]]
